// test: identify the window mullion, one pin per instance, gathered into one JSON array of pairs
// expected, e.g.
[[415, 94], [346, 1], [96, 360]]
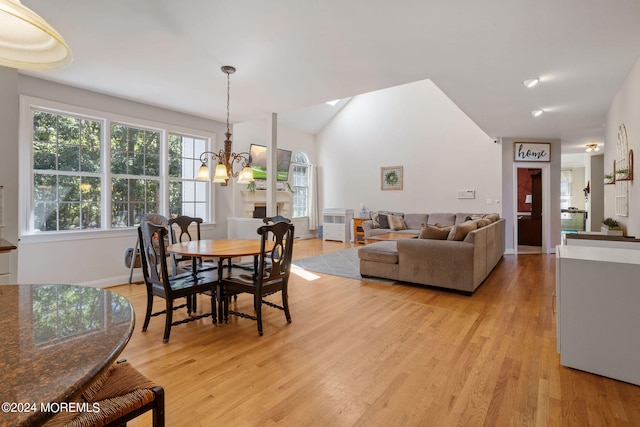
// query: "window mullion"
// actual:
[[106, 198]]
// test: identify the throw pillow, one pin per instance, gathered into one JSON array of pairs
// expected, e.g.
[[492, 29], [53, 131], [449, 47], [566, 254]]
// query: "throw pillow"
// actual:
[[460, 231], [383, 221], [434, 233], [396, 223], [375, 217], [483, 222], [474, 217], [493, 217]]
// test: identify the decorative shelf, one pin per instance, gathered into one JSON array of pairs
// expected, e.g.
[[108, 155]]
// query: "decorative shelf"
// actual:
[[624, 174]]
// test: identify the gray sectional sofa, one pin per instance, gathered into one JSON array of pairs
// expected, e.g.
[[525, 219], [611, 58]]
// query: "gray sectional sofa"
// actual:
[[454, 251]]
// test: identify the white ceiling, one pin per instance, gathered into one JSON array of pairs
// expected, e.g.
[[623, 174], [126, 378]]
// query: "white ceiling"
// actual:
[[293, 55]]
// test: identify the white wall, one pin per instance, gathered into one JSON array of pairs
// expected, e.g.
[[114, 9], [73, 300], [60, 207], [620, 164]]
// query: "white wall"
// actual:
[[258, 132], [415, 126], [94, 259], [625, 109]]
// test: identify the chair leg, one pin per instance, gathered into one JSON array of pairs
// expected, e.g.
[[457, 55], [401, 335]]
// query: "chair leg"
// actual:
[[192, 304], [285, 305], [214, 320], [147, 315], [168, 321], [158, 409], [257, 302]]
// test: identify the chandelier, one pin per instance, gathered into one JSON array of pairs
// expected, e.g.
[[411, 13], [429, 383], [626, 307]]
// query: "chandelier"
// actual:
[[225, 158], [27, 41]]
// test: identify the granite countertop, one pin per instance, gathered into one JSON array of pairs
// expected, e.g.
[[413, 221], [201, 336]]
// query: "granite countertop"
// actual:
[[56, 340], [5, 245]]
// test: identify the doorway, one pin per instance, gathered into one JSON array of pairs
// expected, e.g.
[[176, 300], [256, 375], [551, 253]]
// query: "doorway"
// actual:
[[529, 202]]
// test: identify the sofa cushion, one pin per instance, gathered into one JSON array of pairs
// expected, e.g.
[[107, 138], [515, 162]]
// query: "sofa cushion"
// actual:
[[460, 231], [434, 233], [414, 221], [442, 218], [396, 223], [383, 220], [386, 252]]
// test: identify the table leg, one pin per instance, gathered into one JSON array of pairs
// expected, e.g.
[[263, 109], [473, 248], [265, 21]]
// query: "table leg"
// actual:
[[219, 290]]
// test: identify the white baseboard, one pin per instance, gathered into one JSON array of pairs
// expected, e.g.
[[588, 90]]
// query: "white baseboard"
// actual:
[[113, 281]]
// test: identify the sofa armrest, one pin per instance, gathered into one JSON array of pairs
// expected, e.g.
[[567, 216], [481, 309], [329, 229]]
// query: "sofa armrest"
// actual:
[[367, 226], [444, 263]]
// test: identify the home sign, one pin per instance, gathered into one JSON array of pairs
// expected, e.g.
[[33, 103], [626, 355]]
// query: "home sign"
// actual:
[[532, 152]]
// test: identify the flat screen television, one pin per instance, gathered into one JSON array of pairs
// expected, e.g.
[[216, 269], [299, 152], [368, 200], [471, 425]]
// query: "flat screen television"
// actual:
[[258, 162]]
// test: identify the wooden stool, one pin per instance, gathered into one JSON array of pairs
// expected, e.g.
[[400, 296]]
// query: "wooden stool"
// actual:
[[121, 394]]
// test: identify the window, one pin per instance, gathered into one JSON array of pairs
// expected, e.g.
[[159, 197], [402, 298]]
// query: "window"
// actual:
[[66, 172], [300, 177], [187, 196], [565, 189], [135, 169], [90, 170]]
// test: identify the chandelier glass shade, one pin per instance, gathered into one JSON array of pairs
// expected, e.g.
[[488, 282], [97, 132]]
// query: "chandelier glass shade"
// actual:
[[27, 41], [226, 159], [592, 147]]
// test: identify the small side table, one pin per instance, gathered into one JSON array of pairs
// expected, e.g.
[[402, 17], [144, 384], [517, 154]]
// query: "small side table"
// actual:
[[358, 231]]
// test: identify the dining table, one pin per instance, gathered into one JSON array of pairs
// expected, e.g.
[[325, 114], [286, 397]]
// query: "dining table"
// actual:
[[221, 249], [56, 341]]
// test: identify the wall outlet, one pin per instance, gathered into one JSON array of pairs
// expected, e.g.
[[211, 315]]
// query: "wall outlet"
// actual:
[[489, 201]]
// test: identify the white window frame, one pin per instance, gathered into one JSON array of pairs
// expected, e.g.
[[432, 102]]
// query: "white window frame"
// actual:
[[25, 197], [306, 165]]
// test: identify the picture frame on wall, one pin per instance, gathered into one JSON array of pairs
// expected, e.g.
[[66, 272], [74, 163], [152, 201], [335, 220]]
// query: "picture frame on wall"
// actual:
[[391, 177], [532, 152]]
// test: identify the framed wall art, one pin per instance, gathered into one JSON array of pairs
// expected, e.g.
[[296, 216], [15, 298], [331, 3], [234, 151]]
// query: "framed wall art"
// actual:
[[391, 177], [532, 152]]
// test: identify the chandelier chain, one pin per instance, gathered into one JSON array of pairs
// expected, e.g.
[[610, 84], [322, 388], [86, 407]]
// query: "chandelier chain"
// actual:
[[228, 92]]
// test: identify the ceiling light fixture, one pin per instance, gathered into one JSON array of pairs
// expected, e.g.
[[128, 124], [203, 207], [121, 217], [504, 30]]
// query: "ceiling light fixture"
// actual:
[[27, 41], [531, 82], [537, 113], [225, 158], [592, 147]]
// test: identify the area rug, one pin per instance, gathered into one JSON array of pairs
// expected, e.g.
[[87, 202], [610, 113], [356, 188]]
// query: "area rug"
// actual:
[[340, 263]]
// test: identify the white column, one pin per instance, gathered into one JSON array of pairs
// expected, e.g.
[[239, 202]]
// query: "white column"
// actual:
[[272, 165]]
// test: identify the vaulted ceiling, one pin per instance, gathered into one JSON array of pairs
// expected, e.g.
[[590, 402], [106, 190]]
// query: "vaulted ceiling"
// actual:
[[292, 55]]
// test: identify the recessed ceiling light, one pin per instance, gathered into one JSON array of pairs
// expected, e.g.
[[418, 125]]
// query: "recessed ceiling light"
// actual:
[[537, 113], [531, 82], [333, 103]]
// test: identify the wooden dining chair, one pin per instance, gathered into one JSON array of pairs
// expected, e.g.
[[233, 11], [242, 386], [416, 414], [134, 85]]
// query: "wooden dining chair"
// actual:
[[170, 288], [180, 263], [134, 253], [266, 280], [274, 219]]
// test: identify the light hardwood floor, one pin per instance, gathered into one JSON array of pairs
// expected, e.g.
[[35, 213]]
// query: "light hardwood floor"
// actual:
[[364, 354]]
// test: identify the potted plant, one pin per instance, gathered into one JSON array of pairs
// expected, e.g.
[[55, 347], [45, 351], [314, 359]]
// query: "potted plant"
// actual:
[[622, 174], [609, 179], [611, 227]]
